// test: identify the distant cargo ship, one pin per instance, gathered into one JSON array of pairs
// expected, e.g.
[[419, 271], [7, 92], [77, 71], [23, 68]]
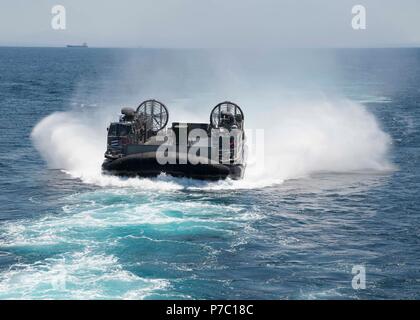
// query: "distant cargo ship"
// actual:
[[84, 45]]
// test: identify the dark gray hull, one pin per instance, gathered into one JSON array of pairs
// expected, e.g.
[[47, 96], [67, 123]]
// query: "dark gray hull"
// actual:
[[145, 165]]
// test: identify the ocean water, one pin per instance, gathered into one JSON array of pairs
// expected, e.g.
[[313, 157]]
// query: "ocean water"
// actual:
[[338, 187]]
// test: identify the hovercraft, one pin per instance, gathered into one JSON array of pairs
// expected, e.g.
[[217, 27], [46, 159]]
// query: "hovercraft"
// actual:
[[139, 144]]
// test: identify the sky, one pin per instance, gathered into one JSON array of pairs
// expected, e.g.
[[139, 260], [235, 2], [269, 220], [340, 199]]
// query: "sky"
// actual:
[[211, 23]]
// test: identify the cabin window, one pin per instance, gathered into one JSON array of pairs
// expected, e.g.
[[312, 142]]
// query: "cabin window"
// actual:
[[112, 130], [124, 130], [119, 130]]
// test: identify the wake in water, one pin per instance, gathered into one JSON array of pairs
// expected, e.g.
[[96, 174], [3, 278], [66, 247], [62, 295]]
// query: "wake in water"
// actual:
[[300, 138]]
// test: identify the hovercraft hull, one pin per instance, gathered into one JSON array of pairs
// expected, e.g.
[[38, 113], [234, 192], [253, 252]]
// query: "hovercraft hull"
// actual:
[[146, 165]]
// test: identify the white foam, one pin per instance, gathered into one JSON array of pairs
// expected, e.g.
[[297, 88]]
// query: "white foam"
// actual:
[[301, 137], [79, 275]]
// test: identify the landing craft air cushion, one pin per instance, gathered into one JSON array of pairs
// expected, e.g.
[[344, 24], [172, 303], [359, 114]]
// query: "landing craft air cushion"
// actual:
[[141, 145]]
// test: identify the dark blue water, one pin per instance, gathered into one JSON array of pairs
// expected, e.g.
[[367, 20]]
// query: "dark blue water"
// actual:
[[340, 186]]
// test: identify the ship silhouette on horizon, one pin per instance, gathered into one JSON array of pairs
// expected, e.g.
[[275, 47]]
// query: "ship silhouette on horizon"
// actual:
[[83, 45]]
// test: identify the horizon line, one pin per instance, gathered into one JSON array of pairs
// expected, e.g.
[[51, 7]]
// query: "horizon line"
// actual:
[[384, 46]]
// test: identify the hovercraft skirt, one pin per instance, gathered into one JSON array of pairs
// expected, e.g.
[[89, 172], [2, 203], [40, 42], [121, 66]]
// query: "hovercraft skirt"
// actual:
[[146, 165]]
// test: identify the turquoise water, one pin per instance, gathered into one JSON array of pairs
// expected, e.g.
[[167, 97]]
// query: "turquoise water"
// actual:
[[339, 185]]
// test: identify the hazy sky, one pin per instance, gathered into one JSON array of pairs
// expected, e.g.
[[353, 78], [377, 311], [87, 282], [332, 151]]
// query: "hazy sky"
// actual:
[[210, 23]]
